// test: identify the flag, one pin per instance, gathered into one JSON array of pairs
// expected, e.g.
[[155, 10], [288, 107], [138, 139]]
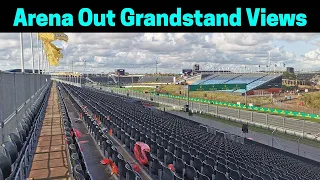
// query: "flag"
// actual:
[[53, 53], [49, 37]]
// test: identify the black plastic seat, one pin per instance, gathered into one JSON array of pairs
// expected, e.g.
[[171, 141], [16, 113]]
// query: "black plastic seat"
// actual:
[[5, 165], [244, 172], [190, 173], [130, 174], [265, 176], [256, 177], [1, 175], [197, 164], [208, 170], [78, 173], [233, 166], [235, 175], [160, 153], [178, 152], [203, 177], [169, 157], [167, 174], [11, 149], [15, 139], [210, 161], [155, 166], [187, 157], [179, 166], [220, 176], [221, 167]]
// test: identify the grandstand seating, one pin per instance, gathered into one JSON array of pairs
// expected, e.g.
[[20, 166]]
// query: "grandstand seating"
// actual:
[[123, 80], [77, 163], [195, 153], [156, 79], [103, 80], [253, 80], [16, 152]]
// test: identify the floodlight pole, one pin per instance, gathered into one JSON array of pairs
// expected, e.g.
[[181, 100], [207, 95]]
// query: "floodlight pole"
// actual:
[[22, 57]]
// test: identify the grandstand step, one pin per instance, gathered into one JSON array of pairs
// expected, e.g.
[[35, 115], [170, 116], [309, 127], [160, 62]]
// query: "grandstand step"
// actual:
[[50, 159], [90, 149]]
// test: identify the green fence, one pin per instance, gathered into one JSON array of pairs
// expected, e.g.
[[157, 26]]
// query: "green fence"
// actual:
[[241, 106]]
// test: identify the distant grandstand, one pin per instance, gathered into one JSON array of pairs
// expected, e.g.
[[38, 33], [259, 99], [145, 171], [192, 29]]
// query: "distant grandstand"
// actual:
[[257, 83]]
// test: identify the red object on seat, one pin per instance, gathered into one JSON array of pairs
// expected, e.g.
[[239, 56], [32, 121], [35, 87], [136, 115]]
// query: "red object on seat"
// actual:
[[136, 167], [106, 161], [171, 167], [140, 150]]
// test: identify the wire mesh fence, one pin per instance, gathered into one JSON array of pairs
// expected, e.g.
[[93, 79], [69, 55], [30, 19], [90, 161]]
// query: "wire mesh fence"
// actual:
[[18, 91]]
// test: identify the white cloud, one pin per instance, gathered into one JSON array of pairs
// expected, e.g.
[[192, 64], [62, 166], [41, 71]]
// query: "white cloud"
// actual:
[[103, 52]]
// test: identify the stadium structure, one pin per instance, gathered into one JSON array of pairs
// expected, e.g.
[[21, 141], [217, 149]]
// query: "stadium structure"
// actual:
[[257, 83], [65, 129]]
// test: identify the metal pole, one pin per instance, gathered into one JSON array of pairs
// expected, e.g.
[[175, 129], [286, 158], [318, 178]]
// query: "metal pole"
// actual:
[[188, 93], [245, 96], [32, 52], [22, 58], [156, 67], [299, 145], [38, 49], [42, 58], [272, 137]]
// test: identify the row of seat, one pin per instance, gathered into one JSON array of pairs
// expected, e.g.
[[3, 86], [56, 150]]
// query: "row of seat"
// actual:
[[109, 149], [77, 162], [16, 152], [186, 145]]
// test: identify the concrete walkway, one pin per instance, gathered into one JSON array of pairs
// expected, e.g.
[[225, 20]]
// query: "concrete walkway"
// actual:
[[50, 160]]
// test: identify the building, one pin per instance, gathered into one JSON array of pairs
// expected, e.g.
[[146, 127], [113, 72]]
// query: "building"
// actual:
[[196, 67], [257, 83], [290, 69], [120, 72], [186, 72]]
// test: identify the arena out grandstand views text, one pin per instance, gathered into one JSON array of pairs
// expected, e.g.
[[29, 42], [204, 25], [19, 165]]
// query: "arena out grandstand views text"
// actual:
[[128, 17]]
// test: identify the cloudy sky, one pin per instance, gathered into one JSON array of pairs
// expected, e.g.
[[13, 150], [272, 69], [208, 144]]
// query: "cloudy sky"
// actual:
[[138, 52]]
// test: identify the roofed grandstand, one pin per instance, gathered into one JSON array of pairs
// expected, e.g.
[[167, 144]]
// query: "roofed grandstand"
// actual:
[[271, 82]]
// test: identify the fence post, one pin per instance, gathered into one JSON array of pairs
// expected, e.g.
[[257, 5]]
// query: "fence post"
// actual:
[[251, 116], [303, 128], [267, 120], [217, 110], [283, 123]]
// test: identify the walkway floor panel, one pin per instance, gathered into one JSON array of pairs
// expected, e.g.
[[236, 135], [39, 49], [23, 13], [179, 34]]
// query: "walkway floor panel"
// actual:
[[50, 159]]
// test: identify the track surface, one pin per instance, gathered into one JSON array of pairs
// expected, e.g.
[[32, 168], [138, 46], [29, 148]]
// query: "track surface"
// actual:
[[50, 160]]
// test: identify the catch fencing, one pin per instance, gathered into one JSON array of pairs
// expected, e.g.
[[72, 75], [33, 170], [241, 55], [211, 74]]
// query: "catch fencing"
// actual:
[[18, 91]]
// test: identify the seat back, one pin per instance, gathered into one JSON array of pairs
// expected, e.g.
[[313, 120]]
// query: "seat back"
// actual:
[[167, 174], [11, 149]]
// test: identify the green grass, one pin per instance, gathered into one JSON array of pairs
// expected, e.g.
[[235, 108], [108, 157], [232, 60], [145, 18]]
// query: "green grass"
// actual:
[[174, 89], [289, 137], [149, 89]]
